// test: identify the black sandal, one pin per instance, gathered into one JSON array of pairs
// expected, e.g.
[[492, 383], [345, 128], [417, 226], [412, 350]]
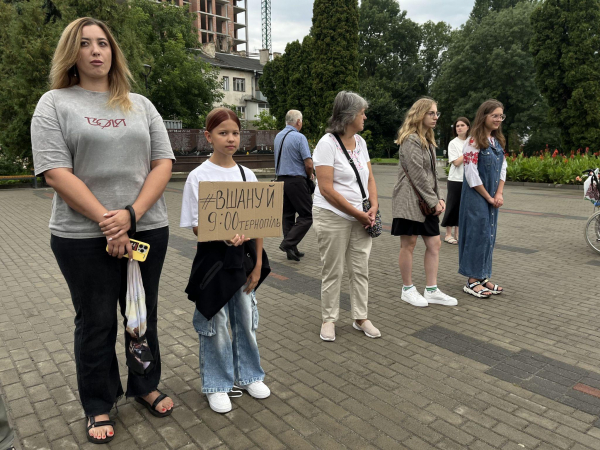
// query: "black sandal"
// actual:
[[152, 407], [102, 423], [494, 290], [469, 289]]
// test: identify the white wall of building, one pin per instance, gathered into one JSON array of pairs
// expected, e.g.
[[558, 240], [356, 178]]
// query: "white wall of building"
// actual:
[[239, 98]]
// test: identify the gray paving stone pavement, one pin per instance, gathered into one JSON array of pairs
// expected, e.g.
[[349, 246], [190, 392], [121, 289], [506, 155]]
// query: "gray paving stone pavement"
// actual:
[[486, 374]]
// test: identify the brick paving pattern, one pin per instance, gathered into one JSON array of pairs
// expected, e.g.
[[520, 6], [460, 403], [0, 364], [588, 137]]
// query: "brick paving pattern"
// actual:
[[520, 370]]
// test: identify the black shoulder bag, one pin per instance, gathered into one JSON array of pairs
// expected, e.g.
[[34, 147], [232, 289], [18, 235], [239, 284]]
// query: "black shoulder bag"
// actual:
[[375, 230]]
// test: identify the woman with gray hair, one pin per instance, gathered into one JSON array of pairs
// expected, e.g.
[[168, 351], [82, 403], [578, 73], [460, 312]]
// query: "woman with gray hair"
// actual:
[[338, 216]]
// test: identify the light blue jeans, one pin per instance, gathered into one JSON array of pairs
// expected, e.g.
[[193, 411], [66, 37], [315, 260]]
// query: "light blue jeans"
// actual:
[[225, 360]]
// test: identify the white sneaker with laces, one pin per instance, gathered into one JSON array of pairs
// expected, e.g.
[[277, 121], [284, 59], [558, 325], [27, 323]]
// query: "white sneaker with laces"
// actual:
[[439, 298], [258, 389], [413, 297], [219, 402]]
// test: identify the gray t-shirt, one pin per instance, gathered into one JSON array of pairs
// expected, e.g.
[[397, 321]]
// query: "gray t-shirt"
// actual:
[[109, 150]]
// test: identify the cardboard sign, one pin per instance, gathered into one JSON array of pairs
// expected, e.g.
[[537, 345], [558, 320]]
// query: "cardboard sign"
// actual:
[[227, 208]]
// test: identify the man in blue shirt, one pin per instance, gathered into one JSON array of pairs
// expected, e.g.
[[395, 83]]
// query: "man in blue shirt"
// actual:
[[294, 166]]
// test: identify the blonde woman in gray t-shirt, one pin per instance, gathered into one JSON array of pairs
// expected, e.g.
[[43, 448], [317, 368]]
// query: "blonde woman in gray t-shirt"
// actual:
[[106, 153]]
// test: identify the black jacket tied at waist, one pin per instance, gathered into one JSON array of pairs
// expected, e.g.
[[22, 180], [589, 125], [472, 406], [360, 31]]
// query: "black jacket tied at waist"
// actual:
[[219, 271]]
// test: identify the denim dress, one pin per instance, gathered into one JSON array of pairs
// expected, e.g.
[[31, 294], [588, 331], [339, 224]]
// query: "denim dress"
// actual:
[[478, 220]]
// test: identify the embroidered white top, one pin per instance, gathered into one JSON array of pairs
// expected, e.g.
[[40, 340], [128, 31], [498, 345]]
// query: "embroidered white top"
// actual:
[[471, 156]]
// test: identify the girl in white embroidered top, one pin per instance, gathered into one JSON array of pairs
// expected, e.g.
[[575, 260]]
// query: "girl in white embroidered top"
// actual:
[[482, 196]]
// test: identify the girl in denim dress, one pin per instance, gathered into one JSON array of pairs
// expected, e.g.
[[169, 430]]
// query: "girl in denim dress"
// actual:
[[481, 198]]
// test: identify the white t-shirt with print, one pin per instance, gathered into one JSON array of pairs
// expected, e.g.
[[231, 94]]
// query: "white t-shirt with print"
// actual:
[[207, 171], [329, 153]]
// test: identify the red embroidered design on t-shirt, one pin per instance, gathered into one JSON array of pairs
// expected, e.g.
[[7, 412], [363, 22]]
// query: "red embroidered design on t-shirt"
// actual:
[[104, 123], [471, 158]]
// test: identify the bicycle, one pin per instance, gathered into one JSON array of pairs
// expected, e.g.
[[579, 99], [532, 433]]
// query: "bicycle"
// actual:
[[592, 193]]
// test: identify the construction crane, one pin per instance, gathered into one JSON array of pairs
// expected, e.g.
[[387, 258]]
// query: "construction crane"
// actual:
[[265, 8]]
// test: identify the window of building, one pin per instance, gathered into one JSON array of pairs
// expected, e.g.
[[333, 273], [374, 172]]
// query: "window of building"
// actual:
[[225, 83], [239, 84], [263, 107], [241, 110]]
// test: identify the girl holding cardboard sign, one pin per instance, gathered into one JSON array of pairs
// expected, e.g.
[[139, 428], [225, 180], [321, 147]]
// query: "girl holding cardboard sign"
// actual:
[[224, 278]]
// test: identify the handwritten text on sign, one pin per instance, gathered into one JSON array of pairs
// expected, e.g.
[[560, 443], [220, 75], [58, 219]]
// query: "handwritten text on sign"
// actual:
[[227, 208]]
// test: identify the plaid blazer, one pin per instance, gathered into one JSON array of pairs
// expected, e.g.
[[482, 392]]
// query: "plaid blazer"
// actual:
[[420, 164]]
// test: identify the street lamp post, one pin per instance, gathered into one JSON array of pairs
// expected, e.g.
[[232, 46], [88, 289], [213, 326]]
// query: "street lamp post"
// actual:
[[147, 70]]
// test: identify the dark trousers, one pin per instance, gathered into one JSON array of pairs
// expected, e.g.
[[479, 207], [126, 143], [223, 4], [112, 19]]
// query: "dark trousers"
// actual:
[[98, 281], [296, 199]]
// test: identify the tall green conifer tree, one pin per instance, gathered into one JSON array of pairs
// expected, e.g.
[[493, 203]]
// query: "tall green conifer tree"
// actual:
[[335, 53]]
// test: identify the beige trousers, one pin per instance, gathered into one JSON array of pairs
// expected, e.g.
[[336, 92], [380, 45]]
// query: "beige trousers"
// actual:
[[342, 240]]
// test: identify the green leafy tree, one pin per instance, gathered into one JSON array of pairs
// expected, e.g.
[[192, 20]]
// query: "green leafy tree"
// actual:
[[482, 7], [265, 121], [26, 48], [391, 76], [492, 60], [566, 38], [434, 43], [162, 35], [181, 85], [335, 53]]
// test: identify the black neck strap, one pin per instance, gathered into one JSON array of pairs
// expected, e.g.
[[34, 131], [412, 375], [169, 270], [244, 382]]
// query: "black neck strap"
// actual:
[[242, 172], [351, 161], [280, 151]]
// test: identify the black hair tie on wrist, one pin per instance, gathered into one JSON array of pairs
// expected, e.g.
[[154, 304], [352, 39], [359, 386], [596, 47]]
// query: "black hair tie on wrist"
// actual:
[[132, 227]]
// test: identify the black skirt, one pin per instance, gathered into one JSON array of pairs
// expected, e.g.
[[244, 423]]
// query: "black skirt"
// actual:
[[405, 227], [452, 204]]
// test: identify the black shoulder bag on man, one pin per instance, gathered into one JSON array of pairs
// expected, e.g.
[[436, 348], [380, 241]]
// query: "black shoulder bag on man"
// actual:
[[309, 183], [375, 230]]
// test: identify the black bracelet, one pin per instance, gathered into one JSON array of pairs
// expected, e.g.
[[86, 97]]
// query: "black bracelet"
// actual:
[[132, 227]]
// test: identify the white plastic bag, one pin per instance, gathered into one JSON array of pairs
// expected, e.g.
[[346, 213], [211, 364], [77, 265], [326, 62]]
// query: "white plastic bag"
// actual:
[[139, 355]]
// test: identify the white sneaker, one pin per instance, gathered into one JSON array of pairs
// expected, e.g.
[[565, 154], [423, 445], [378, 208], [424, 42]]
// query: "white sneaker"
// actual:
[[258, 389], [413, 297], [439, 298], [219, 402]]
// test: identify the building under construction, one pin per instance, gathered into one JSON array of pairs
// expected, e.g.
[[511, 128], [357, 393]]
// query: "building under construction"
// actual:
[[222, 22]]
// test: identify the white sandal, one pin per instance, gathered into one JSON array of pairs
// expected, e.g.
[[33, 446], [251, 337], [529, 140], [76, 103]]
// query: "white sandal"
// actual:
[[468, 288], [450, 240], [494, 290]]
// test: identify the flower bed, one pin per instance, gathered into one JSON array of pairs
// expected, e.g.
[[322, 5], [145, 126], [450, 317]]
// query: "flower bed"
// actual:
[[547, 167]]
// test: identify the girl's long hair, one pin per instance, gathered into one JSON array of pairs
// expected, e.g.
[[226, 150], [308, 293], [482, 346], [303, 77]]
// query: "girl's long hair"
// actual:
[[413, 123], [64, 70], [479, 133]]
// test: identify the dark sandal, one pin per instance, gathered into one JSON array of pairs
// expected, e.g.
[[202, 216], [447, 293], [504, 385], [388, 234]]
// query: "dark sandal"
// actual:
[[152, 407], [469, 289], [102, 423], [494, 290]]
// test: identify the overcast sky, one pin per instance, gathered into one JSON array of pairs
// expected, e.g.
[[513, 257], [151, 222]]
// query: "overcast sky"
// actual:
[[291, 19]]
